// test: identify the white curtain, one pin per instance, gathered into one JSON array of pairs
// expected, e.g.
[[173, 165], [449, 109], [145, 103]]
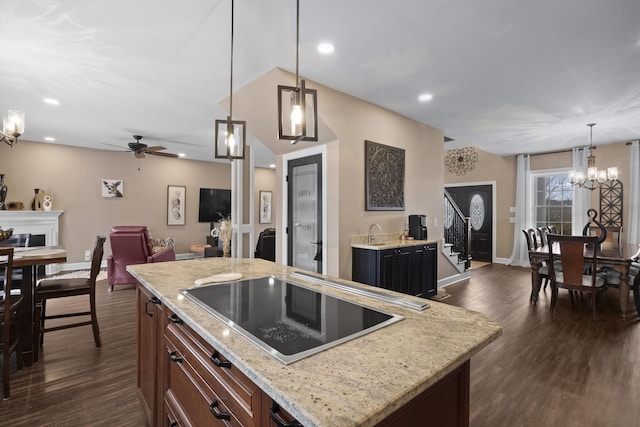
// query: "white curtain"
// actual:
[[524, 212], [581, 196], [633, 235]]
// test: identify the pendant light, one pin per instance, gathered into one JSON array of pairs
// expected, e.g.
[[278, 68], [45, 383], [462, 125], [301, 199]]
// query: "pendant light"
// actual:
[[594, 176], [297, 105], [230, 134]]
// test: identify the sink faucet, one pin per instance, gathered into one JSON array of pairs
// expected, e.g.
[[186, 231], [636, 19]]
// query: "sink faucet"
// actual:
[[370, 228]]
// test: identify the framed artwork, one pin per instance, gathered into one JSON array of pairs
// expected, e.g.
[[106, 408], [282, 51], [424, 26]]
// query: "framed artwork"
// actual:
[[175, 204], [384, 177], [265, 207], [112, 187]]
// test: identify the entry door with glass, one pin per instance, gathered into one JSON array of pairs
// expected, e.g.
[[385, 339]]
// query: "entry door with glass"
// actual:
[[305, 213]]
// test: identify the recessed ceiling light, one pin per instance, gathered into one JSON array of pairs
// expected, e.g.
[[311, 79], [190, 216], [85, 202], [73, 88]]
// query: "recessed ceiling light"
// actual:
[[326, 48], [272, 165], [425, 97], [49, 138], [182, 155], [51, 101]]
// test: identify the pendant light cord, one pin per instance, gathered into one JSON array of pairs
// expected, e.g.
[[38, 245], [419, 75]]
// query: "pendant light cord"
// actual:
[[231, 73], [297, 39]]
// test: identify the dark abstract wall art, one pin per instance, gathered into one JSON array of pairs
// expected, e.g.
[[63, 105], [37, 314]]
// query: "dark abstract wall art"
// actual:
[[384, 177]]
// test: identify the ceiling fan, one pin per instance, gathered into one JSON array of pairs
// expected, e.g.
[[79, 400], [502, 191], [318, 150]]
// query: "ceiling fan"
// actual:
[[140, 149]]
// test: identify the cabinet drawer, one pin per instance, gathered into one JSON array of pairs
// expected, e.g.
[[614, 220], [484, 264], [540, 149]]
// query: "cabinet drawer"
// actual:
[[231, 387], [194, 397]]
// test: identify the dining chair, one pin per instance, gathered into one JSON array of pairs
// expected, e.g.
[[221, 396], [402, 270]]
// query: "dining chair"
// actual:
[[552, 229], [573, 277], [543, 231], [66, 287], [10, 306], [532, 244], [613, 241], [17, 240]]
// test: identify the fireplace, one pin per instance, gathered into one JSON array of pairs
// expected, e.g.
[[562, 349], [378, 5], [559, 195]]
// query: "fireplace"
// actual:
[[43, 226]]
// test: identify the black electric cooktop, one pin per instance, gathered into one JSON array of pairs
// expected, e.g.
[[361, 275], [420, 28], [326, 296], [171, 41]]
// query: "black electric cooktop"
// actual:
[[286, 319]]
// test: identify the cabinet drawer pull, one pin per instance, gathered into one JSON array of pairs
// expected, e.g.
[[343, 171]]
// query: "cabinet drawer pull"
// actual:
[[219, 363], [172, 423], [278, 420], [175, 319], [152, 300], [174, 357], [216, 412]]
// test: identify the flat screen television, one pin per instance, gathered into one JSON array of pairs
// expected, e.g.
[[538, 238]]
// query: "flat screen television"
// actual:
[[215, 204]]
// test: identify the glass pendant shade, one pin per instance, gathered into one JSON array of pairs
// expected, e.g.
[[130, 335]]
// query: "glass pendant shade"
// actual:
[[230, 139], [16, 119], [297, 113]]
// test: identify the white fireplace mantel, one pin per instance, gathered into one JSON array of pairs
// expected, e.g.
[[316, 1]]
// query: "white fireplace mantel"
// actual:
[[34, 222]]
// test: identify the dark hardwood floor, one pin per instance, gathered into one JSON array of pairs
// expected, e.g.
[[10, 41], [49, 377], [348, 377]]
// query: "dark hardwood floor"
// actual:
[[560, 370], [549, 370], [75, 383]]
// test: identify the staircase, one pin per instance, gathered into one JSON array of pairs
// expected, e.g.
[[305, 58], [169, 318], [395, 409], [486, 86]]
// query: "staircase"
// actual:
[[457, 235]]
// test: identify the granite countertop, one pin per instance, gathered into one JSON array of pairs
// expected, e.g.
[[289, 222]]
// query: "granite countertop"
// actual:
[[382, 241], [358, 383]]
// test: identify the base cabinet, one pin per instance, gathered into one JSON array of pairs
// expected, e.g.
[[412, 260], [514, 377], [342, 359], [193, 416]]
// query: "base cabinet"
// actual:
[[184, 381], [149, 324], [410, 270]]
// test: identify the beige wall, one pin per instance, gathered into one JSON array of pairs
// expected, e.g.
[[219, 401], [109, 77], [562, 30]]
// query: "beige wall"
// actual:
[[73, 177], [355, 121], [345, 123], [502, 170]]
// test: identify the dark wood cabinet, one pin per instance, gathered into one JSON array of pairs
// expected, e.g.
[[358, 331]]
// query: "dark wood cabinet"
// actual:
[[410, 270], [149, 372], [184, 381]]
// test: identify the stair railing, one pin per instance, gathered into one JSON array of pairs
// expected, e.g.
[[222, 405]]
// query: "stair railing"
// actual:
[[457, 230]]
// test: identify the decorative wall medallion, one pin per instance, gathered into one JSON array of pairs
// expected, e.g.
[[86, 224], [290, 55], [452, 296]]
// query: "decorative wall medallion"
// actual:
[[461, 160], [384, 177], [476, 211]]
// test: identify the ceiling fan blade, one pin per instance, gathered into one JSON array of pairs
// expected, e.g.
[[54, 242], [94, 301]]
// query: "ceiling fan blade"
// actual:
[[116, 146], [155, 148], [139, 155], [158, 153]]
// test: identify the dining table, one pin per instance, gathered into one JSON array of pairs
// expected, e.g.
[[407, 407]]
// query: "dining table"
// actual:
[[27, 259], [618, 257]]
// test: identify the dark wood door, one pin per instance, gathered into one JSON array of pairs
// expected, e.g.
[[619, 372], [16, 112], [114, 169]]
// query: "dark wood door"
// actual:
[[476, 202]]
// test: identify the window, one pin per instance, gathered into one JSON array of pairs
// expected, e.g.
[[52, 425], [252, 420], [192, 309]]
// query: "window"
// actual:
[[553, 200]]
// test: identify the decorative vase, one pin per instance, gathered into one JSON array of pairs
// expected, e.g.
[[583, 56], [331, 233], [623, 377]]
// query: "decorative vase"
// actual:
[[3, 192], [47, 203], [35, 204], [225, 236]]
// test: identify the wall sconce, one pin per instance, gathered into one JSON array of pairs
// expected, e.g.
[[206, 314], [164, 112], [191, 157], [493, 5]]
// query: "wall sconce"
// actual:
[[12, 127], [230, 134], [297, 105]]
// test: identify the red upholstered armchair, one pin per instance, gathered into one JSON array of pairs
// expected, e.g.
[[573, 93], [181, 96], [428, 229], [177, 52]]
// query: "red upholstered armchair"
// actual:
[[131, 244]]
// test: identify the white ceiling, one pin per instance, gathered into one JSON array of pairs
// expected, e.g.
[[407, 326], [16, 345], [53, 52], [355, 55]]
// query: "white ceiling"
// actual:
[[507, 76]]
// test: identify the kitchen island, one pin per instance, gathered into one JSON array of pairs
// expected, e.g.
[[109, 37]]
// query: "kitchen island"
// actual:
[[418, 366]]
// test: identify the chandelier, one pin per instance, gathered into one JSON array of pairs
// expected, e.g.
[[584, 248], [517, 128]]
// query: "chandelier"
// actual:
[[230, 134], [297, 105], [12, 127], [594, 176]]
